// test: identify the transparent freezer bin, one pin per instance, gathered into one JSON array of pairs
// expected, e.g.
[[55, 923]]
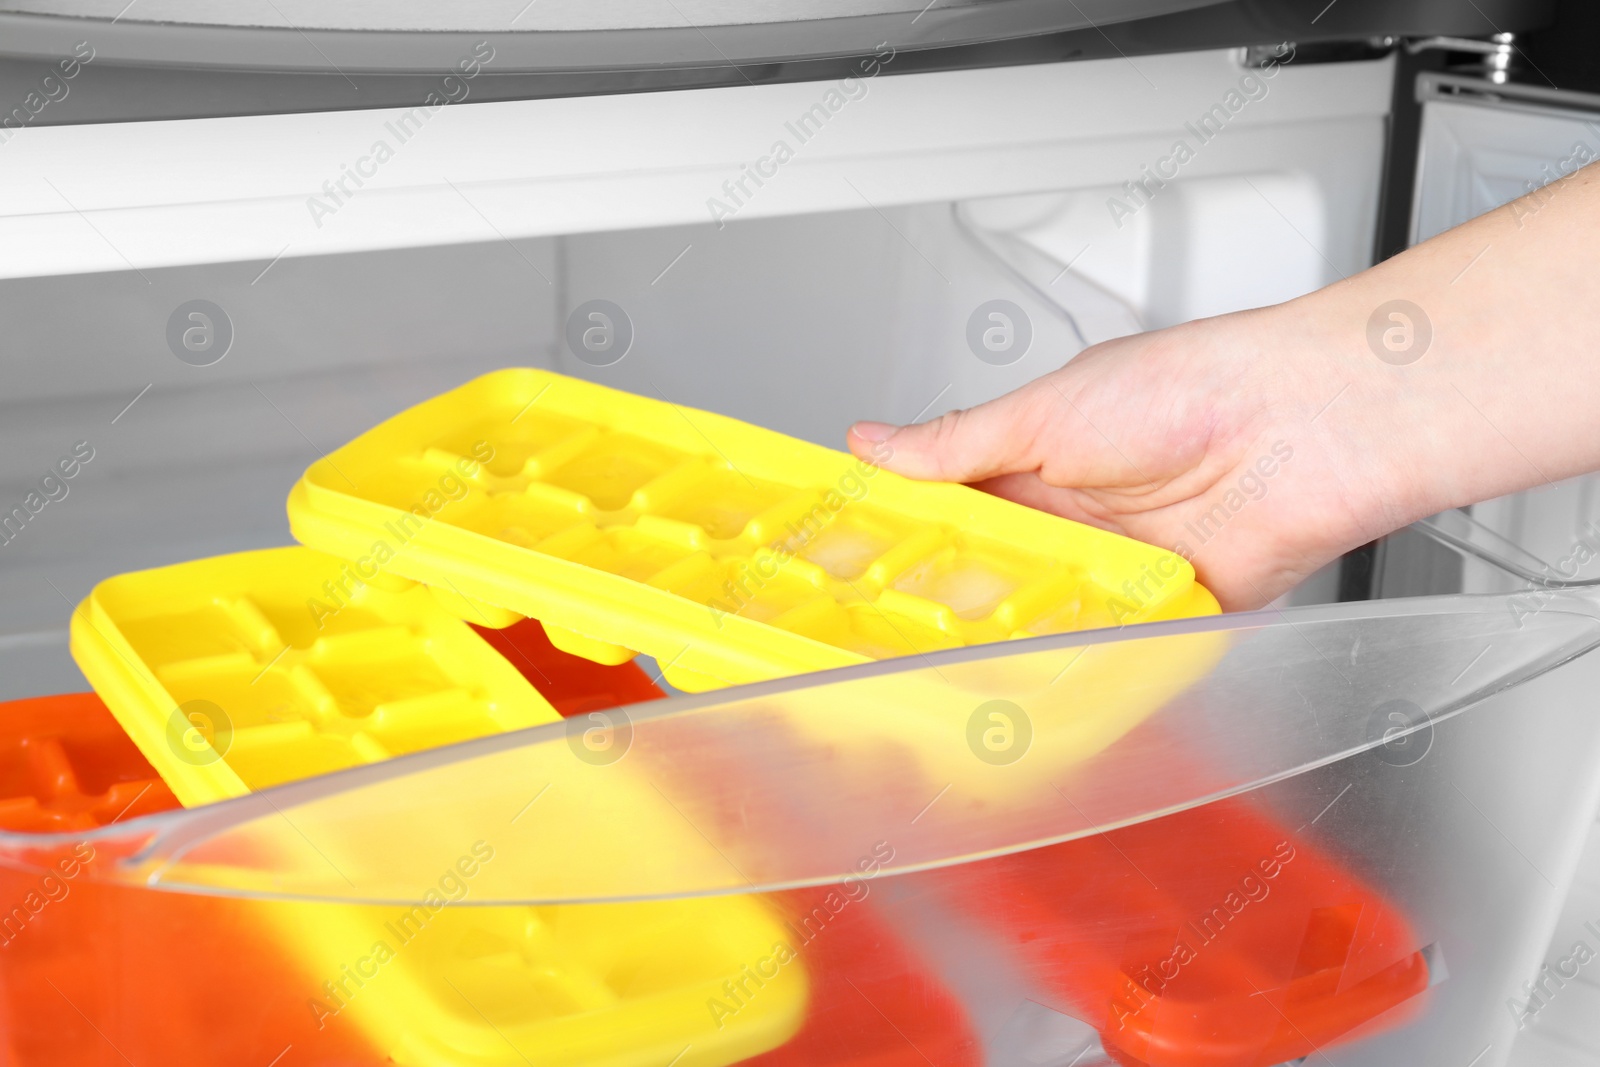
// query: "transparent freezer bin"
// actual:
[[235, 674], [1331, 820]]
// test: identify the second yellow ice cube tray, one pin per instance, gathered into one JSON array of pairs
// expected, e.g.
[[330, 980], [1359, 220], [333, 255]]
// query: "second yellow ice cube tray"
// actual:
[[240, 672], [728, 552]]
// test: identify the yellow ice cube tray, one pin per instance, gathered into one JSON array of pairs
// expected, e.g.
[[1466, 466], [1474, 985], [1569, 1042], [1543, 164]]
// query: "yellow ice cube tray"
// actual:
[[295, 669], [728, 552], [564, 985], [241, 672]]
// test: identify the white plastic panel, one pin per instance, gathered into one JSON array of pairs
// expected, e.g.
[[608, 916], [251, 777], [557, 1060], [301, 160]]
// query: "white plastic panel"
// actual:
[[257, 188], [1478, 154], [1218, 244], [1255, 216]]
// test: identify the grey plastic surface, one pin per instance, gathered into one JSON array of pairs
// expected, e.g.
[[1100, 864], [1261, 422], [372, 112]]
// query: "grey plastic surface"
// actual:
[[533, 37]]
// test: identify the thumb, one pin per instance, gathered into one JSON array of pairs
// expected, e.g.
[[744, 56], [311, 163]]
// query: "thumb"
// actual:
[[994, 438]]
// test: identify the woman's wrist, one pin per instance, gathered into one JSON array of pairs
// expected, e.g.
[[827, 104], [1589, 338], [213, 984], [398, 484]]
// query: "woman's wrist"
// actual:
[[1381, 430]]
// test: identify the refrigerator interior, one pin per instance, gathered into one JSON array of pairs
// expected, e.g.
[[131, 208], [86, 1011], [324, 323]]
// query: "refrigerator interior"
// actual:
[[846, 287]]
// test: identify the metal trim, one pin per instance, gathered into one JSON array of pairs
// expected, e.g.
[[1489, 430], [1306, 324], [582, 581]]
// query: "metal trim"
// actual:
[[1467, 89]]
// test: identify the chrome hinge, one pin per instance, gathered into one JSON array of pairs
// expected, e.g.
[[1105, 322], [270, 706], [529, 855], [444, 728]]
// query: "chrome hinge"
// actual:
[[1497, 51]]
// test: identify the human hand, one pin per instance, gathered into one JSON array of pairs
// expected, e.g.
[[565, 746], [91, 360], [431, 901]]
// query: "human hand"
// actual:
[[1208, 438], [1261, 445]]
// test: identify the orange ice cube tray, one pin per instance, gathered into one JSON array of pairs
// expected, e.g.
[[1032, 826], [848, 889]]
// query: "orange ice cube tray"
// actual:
[[93, 972], [728, 552], [65, 766]]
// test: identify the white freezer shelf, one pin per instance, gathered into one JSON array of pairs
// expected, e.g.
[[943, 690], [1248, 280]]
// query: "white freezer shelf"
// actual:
[[143, 195]]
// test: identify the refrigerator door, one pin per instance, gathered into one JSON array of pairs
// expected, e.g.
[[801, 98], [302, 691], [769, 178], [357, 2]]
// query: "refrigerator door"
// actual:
[[1485, 145], [1511, 148]]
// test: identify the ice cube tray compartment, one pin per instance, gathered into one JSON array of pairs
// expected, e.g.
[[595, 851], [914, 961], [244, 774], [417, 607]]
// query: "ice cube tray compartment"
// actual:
[[728, 552], [304, 669], [65, 767], [623, 985]]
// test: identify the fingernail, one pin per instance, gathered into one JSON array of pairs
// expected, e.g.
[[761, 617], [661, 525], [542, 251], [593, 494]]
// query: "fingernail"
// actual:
[[874, 431]]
